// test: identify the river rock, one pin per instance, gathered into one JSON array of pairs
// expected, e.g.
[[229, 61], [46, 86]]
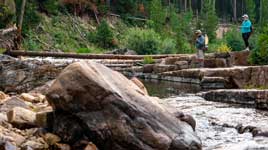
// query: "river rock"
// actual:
[[182, 64], [110, 110], [3, 96], [251, 97], [24, 75], [159, 68], [140, 85], [60, 146], [51, 139], [148, 68], [12, 102], [7, 146], [22, 118], [240, 58]]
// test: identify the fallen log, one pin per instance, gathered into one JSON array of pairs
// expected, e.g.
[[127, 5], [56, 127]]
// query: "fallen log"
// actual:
[[16, 53]]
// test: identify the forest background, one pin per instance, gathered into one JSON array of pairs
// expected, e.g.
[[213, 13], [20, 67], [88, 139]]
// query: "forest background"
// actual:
[[145, 26]]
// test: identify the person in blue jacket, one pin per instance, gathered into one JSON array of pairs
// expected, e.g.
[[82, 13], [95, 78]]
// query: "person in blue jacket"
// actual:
[[200, 45], [246, 30]]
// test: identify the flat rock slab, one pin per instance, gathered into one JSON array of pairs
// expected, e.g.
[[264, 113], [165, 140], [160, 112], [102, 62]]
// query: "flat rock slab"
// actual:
[[253, 97], [241, 77], [92, 100]]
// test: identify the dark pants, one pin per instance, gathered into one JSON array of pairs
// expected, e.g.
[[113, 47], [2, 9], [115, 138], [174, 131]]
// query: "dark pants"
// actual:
[[245, 38]]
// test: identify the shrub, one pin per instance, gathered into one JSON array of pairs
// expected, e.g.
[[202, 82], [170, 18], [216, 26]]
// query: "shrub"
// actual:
[[143, 41], [168, 46], [148, 60], [259, 55], [5, 16], [31, 16], [51, 6], [104, 35], [83, 50], [223, 48], [234, 40]]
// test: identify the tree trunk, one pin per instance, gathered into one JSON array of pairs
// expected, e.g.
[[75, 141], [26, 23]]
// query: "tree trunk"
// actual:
[[234, 10], [22, 13], [214, 5], [185, 5], [261, 15], [201, 6], [190, 5]]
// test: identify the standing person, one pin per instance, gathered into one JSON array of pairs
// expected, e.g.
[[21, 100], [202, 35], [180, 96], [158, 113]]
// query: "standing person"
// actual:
[[246, 30], [200, 46]]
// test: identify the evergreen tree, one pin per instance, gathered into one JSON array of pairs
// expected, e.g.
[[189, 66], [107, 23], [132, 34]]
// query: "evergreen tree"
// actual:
[[209, 18], [250, 9], [104, 35], [157, 14], [263, 14]]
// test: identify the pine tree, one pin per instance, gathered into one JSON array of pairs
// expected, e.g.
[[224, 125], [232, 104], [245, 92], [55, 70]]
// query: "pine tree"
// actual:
[[250, 9], [263, 13], [157, 14], [209, 18]]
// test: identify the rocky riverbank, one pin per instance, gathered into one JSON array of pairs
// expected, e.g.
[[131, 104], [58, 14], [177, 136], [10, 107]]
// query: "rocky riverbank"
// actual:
[[87, 103]]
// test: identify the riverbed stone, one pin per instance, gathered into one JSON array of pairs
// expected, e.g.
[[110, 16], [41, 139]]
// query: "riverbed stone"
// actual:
[[252, 97], [13, 102], [148, 68], [214, 83], [182, 64], [20, 76], [240, 58], [159, 68], [122, 115]]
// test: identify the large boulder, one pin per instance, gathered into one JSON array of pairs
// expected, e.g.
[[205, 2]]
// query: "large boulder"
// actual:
[[95, 102]]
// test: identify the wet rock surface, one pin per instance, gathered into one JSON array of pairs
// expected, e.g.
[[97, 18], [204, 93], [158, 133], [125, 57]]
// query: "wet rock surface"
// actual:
[[216, 123], [253, 98], [19, 76], [112, 114]]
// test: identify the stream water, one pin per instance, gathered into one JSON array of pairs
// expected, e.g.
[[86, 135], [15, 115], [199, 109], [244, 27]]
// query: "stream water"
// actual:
[[211, 117]]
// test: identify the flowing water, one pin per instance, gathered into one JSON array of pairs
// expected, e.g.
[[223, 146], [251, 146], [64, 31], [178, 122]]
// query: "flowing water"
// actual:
[[215, 121]]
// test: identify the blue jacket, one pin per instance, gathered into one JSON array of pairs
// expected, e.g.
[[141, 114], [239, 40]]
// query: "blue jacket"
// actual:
[[245, 28], [200, 42]]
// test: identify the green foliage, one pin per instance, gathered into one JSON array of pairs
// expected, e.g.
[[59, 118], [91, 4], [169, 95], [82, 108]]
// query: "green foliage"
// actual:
[[210, 19], [50, 6], [143, 41], [31, 43], [168, 46], [6, 16], [157, 15], [83, 50], [104, 35], [223, 48], [57, 33], [31, 16], [234, 40], [263, 14], [148, 60], [124, 7], [251, 7], [259, 56]]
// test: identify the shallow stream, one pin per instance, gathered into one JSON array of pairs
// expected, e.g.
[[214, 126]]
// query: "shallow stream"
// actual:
[[211, 117]]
